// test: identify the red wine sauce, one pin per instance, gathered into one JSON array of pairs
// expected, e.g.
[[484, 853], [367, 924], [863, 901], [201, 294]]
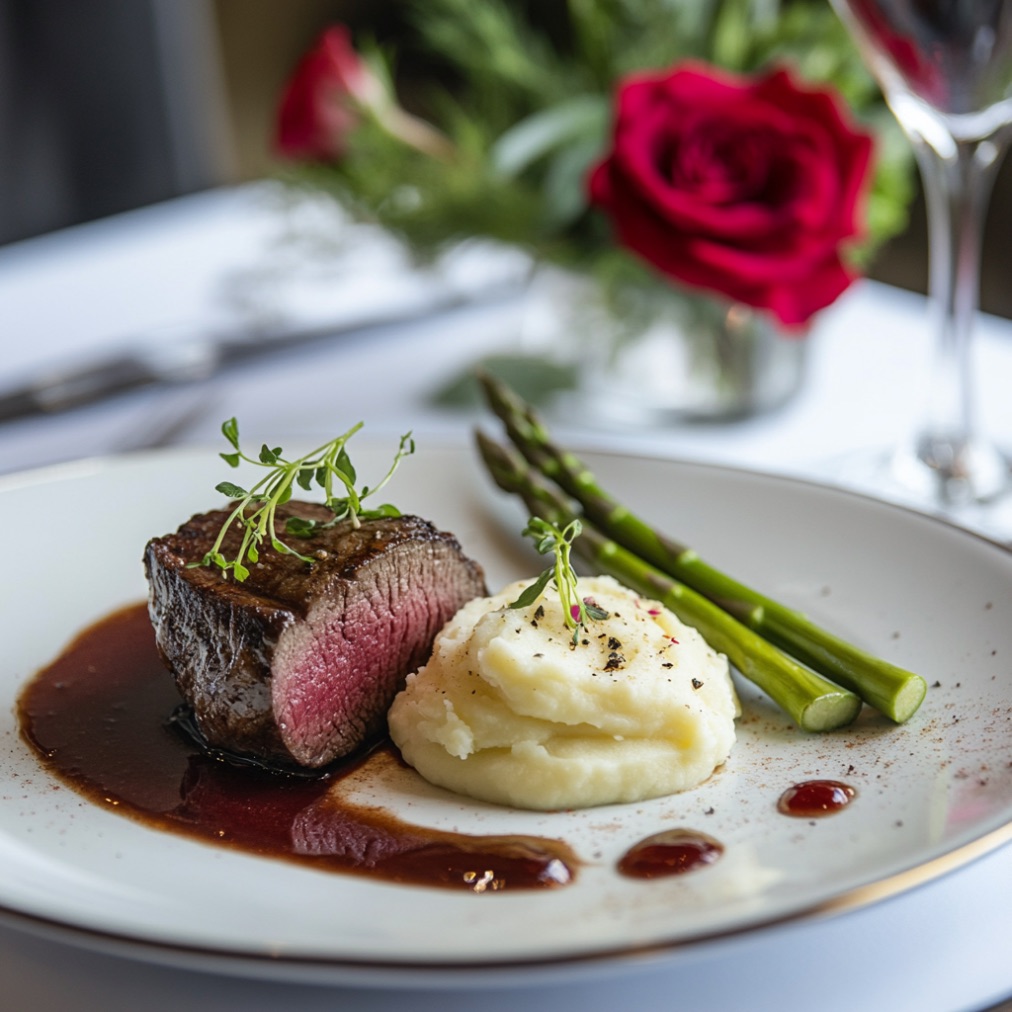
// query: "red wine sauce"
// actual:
[[672, 852], [815, 798], [98, 717]]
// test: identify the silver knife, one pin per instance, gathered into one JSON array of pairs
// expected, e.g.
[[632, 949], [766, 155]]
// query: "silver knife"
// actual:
[[187, 359]]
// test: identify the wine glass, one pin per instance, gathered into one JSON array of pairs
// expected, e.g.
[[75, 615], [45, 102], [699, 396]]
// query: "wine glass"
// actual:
[[945, 68]]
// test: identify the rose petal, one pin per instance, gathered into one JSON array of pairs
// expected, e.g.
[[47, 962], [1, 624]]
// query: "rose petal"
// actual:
[[318, 106], [746, 187]]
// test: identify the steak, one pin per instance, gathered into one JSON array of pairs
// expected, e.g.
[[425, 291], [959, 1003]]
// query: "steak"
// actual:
[[299, 663]]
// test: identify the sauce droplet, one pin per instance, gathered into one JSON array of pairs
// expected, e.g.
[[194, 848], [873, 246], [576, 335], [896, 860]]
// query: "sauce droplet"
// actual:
[[672, 852], [815, 799]]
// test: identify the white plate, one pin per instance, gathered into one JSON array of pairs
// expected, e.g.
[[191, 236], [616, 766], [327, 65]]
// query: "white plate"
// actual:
[[932, 795]]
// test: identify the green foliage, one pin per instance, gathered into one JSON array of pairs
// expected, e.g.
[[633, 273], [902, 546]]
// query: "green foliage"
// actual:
[[328, 466], [551, 540], [524, 94]]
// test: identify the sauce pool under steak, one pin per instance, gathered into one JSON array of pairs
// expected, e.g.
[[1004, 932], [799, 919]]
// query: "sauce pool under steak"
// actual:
[[98, 717]]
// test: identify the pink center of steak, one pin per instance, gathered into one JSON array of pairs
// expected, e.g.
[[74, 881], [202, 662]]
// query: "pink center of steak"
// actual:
[[335, 673]]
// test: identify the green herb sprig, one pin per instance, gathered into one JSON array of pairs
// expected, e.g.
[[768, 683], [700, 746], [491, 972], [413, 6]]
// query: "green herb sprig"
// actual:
[[328, 466], [550, 539]]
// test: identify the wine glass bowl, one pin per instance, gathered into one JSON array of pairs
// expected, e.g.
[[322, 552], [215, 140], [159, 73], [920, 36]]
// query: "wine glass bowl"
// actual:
[[956, 57], [945, 69]]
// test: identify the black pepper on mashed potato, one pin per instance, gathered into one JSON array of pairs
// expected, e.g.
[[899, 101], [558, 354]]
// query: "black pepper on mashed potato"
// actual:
[[508, 710]]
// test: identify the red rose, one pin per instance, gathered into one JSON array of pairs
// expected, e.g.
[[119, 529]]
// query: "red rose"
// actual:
[[331, 90], [747, 187], [320, 103]]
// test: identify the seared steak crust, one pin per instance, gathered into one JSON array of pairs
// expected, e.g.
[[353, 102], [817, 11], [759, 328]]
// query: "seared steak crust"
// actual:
[[299, 663]]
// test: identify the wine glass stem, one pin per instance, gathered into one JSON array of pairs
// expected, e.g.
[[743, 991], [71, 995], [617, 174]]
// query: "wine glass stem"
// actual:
[[958, 176]]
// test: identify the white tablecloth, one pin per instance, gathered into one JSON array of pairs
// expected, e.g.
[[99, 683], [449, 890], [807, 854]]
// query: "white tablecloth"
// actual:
[[211, 260]]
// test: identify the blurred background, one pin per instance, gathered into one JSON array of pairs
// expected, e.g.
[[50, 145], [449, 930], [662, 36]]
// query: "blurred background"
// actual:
[[109, 105]]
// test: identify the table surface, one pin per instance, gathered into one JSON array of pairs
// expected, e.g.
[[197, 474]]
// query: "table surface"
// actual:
[[236, 258]]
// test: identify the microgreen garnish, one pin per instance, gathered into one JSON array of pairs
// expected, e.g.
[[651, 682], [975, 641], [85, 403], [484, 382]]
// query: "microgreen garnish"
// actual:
[[549, 539], [328, 466]]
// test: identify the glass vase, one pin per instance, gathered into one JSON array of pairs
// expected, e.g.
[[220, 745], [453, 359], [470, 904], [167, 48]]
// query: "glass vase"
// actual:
[[655, 355]]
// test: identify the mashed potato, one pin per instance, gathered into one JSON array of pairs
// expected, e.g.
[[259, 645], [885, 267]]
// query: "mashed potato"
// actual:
[[508, 710]]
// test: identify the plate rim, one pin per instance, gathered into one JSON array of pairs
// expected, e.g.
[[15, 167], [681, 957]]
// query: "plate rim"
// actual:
[[411, 973]]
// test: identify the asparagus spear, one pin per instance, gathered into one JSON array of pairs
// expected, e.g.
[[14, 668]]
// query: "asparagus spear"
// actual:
[[814, 703], [893, 691]]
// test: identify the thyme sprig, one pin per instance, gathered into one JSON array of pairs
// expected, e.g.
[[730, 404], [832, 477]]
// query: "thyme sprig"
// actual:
[[328, 466], [549, 539]]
